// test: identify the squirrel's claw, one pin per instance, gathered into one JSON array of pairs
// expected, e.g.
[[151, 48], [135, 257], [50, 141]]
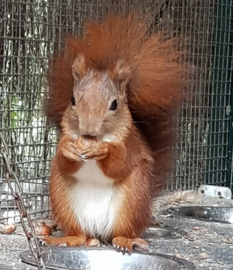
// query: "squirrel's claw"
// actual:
[[123, 250], [43, 243], [69, 151], [123, 244], [126, 245], [98, 152], [82, 158]]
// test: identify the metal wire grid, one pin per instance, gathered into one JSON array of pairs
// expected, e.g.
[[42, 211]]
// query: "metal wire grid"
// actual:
[[195, 21], [205, 124], [29, 32], [25, 49], [220, 134]]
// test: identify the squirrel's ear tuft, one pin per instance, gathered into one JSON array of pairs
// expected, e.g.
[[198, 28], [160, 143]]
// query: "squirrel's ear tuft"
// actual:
[[121, 74], [79, 68]]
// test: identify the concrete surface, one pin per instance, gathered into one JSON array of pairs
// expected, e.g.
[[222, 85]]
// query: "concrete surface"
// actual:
[[209, 245]]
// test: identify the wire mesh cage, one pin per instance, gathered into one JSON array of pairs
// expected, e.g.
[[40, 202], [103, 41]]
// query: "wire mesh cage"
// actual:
[[29, 33]]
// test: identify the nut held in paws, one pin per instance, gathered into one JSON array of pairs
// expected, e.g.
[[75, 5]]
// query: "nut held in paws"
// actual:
[[85, 141]]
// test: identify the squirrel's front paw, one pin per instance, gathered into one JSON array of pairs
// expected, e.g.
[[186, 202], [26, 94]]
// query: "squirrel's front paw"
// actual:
[[96, 151], [69, 151]]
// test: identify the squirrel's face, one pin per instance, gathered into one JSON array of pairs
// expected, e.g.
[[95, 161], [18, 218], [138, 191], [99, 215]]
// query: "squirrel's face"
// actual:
[[99, 101]]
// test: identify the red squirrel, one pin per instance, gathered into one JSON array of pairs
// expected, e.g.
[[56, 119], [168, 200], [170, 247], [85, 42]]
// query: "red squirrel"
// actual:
[[113, 93]]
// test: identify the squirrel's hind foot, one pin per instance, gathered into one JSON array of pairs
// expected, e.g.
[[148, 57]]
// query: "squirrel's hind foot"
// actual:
[[70, 241], [126, 245], [92, 242]]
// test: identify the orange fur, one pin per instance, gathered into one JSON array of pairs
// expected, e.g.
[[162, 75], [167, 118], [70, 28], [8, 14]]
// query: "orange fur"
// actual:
[[60, 201], [128, 243], [155, 83], [146, 70]]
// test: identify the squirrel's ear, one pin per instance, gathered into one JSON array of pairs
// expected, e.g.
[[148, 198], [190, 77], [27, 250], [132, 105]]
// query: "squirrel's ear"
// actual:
[[79, 68], [121, 74]]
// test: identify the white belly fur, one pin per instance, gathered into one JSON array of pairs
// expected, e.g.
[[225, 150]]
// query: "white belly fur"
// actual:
[[95, 200]]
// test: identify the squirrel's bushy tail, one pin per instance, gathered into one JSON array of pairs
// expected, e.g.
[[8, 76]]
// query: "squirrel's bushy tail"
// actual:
[[155, 88]]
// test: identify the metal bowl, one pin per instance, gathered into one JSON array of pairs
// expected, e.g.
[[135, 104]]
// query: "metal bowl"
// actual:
[[156, 232], [105, 259], [207, 213]]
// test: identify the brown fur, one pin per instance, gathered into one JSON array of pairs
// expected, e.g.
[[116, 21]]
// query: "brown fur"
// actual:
[[132, 168], [147, 67], [155, 83], [155, 88]]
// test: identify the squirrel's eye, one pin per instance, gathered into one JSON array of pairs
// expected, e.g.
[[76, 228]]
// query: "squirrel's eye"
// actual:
[[72, 101], [113, 105]]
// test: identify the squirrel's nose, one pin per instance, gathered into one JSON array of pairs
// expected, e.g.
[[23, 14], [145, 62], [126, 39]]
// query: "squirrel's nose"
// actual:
[[88, 127], [88, 137], [87, 133]]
